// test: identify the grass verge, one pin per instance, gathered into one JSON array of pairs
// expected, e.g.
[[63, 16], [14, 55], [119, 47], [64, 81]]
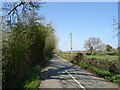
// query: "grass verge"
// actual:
[[68, 58], [103, 73], [34, 78]]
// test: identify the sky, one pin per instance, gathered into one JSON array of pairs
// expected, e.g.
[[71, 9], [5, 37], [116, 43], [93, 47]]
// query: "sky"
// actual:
[[83, 20]]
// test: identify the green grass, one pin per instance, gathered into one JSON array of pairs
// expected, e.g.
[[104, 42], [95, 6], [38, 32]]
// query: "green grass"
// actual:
[[95, 69], [34, 78], [68, 58], [33, 84], [105, 57], [103, 73]]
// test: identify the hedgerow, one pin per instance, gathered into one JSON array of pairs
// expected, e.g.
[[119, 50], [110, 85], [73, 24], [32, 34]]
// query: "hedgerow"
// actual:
[[24, 49]]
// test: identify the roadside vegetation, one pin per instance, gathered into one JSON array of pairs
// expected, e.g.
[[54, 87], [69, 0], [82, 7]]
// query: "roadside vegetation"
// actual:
[[105, 57], [33, 77], [99, 58], [102, 57], [0, 54], [27, 45], [103, 73], [115, 77]]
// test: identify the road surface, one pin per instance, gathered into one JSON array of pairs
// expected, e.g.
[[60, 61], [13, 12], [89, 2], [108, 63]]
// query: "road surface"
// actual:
[[60, 73]]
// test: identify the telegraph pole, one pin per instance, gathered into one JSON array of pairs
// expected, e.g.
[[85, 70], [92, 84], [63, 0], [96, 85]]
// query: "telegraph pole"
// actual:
[[71, 44]]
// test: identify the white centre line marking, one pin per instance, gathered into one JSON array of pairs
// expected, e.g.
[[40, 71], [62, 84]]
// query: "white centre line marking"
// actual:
[[76, 80]]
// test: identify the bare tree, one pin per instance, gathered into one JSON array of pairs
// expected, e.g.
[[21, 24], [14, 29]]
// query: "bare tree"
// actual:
[[102, 47], [117, 27], [93, 44], [21, 12]]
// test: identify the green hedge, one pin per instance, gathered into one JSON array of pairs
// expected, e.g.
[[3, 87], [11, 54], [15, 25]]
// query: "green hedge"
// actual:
[[104, 73], [23, 49]]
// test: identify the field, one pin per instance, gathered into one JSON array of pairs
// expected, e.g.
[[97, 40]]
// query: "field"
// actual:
[[105, 57]]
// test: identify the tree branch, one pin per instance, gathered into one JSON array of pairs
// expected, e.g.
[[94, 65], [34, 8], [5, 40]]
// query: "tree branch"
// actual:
[[16, 7]]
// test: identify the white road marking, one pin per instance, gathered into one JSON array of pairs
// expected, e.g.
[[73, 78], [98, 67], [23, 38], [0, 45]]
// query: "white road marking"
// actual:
[[76, 81]]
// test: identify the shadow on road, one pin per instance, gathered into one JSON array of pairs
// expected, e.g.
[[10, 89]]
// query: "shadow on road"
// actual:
[[56, 68]]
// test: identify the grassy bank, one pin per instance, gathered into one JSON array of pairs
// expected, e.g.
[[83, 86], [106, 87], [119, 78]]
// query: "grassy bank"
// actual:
[[103, 73], [33, 78], [68, 58]]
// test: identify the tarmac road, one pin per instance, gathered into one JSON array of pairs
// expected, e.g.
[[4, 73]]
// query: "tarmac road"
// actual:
[[60, 73]]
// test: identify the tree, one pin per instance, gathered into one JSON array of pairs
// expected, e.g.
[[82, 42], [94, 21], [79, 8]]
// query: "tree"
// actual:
[[21, 12], [93, 44], [27, 42], [102, 47], [108, 48]]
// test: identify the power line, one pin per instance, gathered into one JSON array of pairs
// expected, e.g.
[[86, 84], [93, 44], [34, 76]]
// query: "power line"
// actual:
[[65, 42]]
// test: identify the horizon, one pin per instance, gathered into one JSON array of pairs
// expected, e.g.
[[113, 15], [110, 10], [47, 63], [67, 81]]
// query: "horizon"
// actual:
[[84, 20]]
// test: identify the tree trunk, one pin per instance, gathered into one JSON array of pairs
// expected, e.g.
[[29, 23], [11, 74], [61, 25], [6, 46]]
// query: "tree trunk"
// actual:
[[91, 52]]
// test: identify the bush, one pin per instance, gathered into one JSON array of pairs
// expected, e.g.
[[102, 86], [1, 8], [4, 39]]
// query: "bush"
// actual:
[[113, 53], [110, 65], [102, 72], [33, 78], [23, 49], [88, 53], [73, 61]]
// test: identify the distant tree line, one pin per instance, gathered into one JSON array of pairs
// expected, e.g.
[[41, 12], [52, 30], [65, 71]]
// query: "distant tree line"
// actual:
[[95, 44]]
